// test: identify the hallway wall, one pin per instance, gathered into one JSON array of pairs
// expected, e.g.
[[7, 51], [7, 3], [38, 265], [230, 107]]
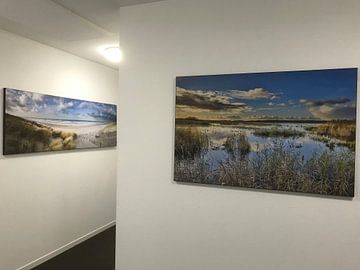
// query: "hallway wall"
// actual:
[[48, 200], [163, 225]]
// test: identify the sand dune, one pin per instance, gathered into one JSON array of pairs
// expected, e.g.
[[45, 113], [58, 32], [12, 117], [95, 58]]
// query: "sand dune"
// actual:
[[39, 135]]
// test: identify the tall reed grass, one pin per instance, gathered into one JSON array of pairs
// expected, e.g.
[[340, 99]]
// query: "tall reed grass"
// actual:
[[343, 131], [338, 129], [237, 144], [278, 166], [190, 142], [282, 167], [279, 132]]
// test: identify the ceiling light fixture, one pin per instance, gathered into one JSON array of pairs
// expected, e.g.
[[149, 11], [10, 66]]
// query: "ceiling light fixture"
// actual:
[[113, 54]]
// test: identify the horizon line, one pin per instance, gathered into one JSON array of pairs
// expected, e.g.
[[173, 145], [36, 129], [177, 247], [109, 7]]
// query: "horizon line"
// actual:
[[60, 119]]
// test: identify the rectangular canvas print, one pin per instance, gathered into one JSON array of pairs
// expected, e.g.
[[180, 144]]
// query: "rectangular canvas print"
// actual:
[[289, 131], [40, 123]]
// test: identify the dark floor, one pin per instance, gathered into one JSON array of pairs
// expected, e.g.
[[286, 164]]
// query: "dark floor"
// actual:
[[96, 253]]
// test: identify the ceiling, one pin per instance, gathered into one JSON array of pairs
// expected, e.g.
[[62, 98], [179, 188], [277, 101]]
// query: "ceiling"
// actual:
[[80, 27]]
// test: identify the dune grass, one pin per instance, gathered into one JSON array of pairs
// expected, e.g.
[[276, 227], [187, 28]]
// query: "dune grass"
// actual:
[[106, 136], [23, 136]]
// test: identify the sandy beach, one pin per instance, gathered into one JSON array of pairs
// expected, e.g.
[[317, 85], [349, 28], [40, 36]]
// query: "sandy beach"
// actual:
[[41, 135], [88, 134]]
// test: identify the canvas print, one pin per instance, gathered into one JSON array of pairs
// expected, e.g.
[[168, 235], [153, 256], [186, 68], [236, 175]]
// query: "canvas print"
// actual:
[[288, 131], [39, 123]]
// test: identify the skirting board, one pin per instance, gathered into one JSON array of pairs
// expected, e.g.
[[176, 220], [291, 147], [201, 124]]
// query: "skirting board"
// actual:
[[65, 247]]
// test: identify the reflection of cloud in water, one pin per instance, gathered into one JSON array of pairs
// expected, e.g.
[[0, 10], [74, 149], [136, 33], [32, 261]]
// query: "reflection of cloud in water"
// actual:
[[214, 157]]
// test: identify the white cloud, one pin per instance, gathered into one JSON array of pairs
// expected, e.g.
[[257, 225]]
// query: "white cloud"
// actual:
[[22, 100], [256, 93], [63, 106], [37, 97], [208, 104], [211, 96], [331, 109]]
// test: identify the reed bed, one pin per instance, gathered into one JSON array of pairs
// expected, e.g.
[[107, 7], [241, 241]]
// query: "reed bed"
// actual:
[[344, 133], [190, 143], [282, 167], [237, 144], [279, 132], [279, 166]]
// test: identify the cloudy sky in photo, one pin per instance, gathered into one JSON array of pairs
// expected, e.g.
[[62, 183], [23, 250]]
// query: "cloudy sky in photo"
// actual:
[[33, 105], [319, 94]]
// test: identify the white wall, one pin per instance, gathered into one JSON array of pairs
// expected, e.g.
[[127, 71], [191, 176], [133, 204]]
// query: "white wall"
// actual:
[[49, 200], [163, 225]]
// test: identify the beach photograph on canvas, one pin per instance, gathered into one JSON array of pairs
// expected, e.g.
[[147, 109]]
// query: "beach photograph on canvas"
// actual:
[[40, 123], [289, 131]]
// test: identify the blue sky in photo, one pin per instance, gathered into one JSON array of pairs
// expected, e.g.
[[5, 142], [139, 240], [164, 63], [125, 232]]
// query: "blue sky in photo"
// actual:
[[33, 105], [319, 94]]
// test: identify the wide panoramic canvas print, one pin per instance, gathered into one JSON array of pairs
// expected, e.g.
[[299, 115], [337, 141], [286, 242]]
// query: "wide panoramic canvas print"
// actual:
[[289, 131], [39, 123]]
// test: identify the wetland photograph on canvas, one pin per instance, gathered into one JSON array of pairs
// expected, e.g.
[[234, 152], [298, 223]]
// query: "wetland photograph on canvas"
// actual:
[[40, 123], [291, 131]]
